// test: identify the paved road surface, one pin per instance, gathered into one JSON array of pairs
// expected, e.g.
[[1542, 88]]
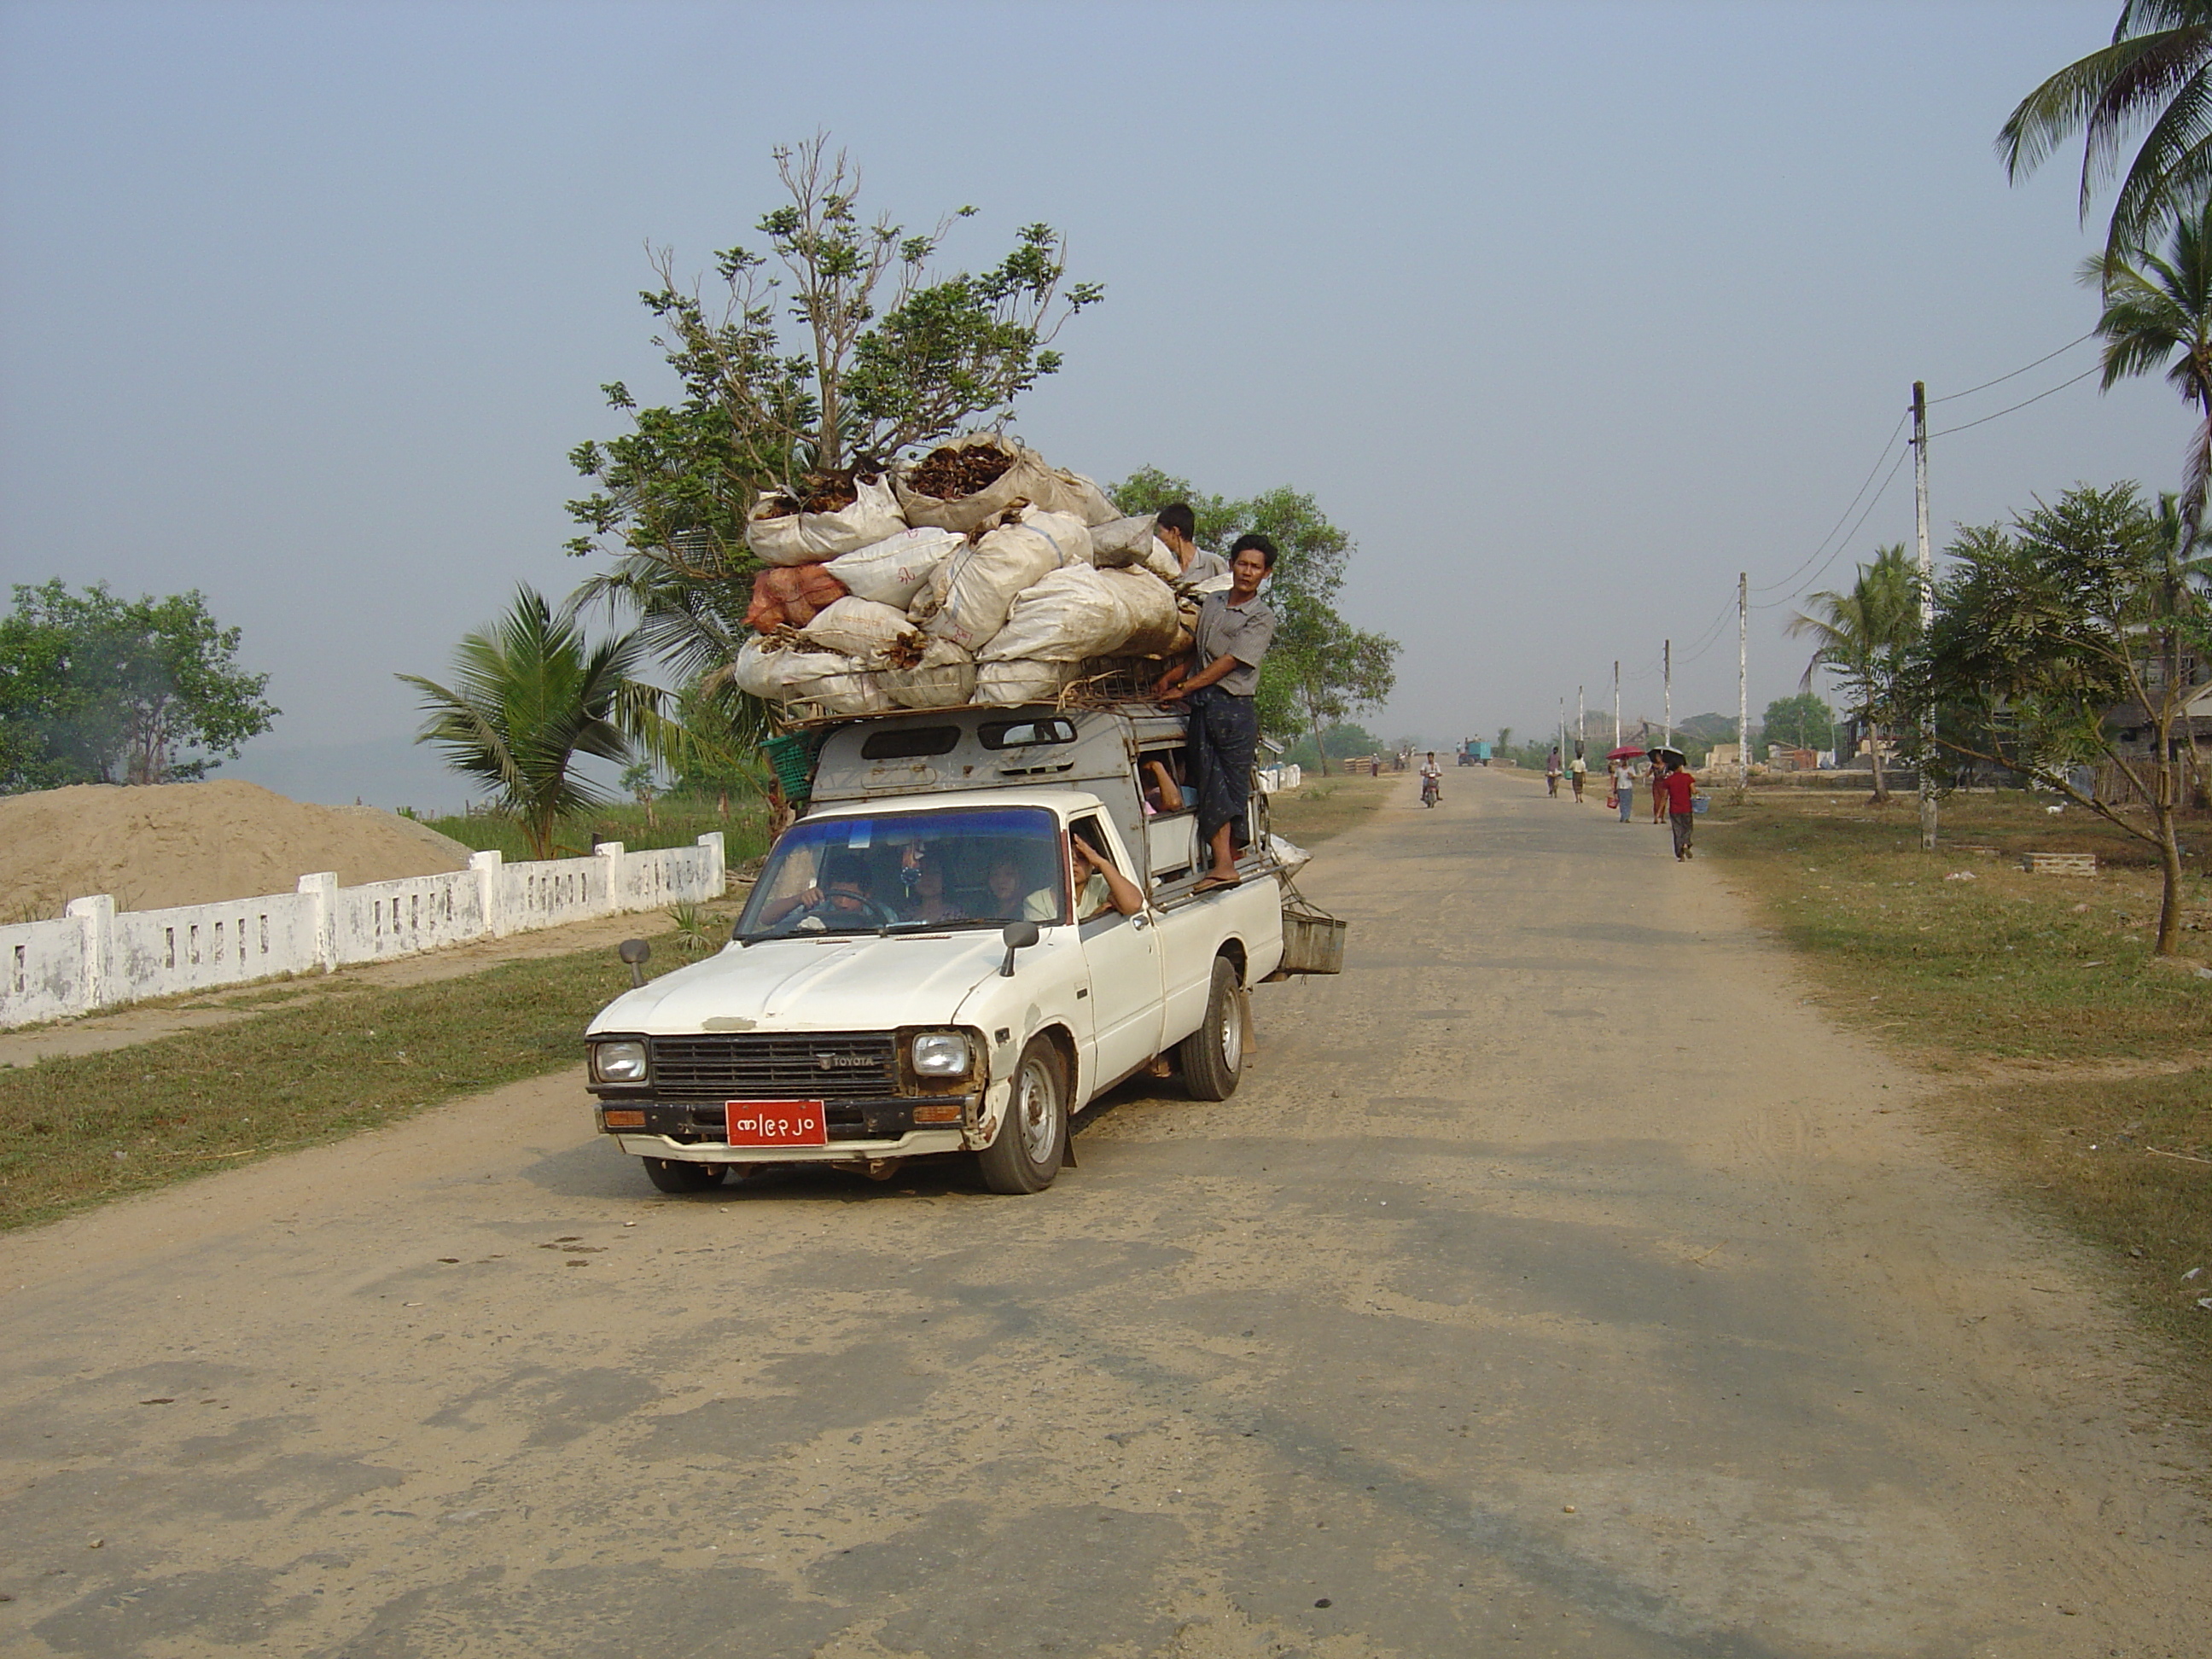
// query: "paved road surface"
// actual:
[[1558, 1284]]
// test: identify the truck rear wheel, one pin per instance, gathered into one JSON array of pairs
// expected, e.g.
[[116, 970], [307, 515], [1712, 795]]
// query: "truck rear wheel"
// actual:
[[1027, 1153], [676, 1175], [1213, 1056]]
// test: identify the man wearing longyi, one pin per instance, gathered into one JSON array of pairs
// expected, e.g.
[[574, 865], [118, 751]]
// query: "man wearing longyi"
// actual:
[[1229, 644]]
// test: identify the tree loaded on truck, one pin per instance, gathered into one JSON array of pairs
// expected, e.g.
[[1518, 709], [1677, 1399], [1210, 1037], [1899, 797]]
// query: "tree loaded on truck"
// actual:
[[986, 919]]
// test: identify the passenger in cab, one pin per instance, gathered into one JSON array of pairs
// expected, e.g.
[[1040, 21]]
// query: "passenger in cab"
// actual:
[[1098, 884]]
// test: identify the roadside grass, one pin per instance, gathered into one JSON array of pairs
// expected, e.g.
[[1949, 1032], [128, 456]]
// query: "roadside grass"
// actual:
[[678, 822], [2073, 1064], [78, 1130], [1320, 808]]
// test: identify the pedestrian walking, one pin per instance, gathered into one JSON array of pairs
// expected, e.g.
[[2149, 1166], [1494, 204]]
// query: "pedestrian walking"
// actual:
[[1658, 794], [1681, 805], [1579, 770], [1624, 786], [1551, 772]]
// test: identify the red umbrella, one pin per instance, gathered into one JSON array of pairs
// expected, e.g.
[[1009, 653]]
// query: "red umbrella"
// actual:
[[1623, 752]]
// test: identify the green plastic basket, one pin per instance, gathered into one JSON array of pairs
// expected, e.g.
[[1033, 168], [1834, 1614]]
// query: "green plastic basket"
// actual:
[[791, 758]]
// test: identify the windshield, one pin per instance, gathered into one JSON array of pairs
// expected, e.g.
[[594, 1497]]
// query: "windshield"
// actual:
[[907, 872]]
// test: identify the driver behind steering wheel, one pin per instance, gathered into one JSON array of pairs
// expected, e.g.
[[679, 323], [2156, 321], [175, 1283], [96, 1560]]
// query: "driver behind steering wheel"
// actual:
[[842, 900]]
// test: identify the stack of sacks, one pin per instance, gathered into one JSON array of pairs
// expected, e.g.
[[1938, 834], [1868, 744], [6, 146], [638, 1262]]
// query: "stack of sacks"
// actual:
[[978, 573]]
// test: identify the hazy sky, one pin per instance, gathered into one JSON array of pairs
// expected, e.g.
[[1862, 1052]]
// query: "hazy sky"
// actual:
[[1566, 312]]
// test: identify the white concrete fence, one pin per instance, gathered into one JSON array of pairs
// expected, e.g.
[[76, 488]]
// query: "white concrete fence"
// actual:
[[98, 956], [1273, 780]]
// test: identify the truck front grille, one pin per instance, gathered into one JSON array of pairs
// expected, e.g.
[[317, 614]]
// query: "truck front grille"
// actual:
[[764, 1066]]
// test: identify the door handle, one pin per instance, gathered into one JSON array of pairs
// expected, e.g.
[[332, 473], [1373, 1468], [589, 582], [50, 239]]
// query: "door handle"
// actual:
[[1138, 922]]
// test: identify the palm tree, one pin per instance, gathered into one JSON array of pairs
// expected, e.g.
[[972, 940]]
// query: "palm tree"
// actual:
[[2158, 314], [2156, 73], [530, 696], [1862, 637]]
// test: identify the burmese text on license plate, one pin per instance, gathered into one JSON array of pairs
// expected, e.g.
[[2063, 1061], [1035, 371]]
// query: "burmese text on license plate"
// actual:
[[777, 1123]]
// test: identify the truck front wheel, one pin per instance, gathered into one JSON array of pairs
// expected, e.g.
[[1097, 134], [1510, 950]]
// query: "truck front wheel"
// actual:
[[1213, 1056], [1026, 1154], [678, 1175]]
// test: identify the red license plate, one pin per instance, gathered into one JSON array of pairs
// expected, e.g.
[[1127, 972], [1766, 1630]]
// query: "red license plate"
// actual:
[[777, 1123]]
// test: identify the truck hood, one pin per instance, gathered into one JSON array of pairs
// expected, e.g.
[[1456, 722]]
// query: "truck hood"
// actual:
[[865, 983]]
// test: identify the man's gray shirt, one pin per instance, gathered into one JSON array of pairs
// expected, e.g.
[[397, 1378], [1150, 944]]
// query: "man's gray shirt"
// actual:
[[1244, 632], [1202, 565]]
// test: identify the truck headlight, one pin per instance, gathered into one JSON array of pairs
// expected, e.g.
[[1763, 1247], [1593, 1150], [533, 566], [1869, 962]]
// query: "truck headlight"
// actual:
[[940, 1053], [618, 1062]]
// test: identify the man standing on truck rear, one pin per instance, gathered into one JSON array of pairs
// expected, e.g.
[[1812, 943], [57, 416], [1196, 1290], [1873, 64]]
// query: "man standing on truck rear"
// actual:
[[1177, 526], [1229, 643]]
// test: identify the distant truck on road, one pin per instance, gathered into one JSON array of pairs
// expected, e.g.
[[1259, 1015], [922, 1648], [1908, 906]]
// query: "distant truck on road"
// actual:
[[1473, 753], [924, 965]]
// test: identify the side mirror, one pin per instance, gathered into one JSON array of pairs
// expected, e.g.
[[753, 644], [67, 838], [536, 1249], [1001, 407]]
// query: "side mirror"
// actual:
[[635, 951], [1019, 936]]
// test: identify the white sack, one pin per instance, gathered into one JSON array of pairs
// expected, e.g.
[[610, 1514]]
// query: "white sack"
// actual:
[[1006, 683], [944, 678], [969, 594], [813, 537], [1070, 614], [1029, 479], [1160, 560], [856, 628], [832, 683], [1082, 497], [892, 571], [1205, 585], [1148, 605], [1124, 541], [1064, 531]]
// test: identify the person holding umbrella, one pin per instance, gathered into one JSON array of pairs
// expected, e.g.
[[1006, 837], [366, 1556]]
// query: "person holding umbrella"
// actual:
[[1622, 761]]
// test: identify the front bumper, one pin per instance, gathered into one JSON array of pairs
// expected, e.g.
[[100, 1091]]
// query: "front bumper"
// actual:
[[697, 1130], [915, 1143]]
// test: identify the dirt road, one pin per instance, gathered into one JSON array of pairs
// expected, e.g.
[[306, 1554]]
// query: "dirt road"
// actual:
[[1556, 1283]]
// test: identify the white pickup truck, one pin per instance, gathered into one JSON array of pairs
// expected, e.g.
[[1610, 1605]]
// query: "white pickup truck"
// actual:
[[917, 972]]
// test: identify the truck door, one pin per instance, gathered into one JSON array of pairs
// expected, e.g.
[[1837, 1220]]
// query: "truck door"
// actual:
[[1123, 956]]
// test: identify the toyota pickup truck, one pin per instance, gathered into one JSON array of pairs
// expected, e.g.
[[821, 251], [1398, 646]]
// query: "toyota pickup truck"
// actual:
[[919, 970]]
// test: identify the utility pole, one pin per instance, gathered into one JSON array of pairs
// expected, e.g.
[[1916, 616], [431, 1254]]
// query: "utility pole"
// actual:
[[1582, 720], [1742, 681], [1667, 658], [1927, 577], [1616, 702]]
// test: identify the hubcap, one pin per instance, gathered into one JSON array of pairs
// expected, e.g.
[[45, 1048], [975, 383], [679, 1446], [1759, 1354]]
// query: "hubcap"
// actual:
[[1033, 1115], [1232, 1033]]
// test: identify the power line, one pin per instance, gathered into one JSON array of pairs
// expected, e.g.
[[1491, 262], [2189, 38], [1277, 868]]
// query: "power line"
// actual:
[[1773, 603], [2093, 370], [1824, 541], [2022, 369]]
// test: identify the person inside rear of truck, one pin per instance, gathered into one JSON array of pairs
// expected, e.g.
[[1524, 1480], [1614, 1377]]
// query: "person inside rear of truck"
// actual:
[[1161, 793], [1098, 885], [1177, 526]]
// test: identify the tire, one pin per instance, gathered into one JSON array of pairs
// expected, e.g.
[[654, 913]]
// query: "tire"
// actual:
[[676, 1175], [1033, 1136], [1213, 1056]]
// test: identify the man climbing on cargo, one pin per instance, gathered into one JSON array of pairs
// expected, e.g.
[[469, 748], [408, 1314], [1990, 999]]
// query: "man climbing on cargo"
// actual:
[[1227, 648], [1177, 526]]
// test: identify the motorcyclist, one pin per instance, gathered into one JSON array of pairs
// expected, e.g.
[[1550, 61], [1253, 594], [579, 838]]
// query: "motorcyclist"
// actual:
[[1432, 777]]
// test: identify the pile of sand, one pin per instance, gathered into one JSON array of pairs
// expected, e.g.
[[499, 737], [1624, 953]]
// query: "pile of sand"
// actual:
[[195, 843]]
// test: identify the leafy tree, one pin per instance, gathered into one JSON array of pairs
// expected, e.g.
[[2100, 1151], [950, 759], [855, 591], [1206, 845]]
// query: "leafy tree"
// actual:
[[1862, 638], [855, 352], [1321, 669], [2154, 77], [2061, 642], [2158, 314], [530, 696], [1804, 721], [96, 689]]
